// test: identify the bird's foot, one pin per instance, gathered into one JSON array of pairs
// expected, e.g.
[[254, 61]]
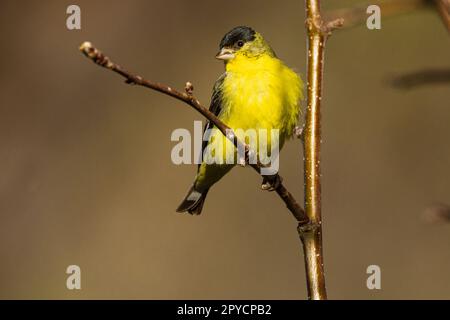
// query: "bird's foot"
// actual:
[[271, 183], [299, 132], [248, 155], [242, 161]]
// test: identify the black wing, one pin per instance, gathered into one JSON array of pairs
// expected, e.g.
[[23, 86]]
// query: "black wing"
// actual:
[[215, 107]]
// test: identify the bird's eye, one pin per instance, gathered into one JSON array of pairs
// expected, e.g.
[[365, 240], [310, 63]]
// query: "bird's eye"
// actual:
[[240, 43]]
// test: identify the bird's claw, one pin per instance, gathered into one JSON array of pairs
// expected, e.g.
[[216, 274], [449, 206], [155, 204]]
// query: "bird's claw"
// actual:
[[242, 162], [299, 132], [249, 154], [271, 183]]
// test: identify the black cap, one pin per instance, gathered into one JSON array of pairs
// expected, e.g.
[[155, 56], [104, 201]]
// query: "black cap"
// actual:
[[243, 33]]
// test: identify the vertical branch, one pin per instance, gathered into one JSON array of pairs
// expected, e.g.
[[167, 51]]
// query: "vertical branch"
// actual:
[[312, 237], [311, 234]]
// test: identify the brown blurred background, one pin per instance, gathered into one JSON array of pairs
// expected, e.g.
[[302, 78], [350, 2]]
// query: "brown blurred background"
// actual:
[[86, 175]]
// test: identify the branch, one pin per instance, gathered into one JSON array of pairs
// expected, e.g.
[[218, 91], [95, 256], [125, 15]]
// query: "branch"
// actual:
[[311, 235], [443, 7], [438, 213], [421, 78], [357, 15], [187, 97]]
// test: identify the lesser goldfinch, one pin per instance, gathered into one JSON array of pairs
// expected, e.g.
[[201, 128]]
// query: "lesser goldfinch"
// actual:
[[257, 91]]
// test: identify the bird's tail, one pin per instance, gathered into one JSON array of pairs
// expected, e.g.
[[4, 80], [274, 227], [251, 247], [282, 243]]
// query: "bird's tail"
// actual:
[[193, 202]]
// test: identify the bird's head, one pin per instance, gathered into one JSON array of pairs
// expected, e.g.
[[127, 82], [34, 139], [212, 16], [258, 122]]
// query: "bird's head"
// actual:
[[242, 42]]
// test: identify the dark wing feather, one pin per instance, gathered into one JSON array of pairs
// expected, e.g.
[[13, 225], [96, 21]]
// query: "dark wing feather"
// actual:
[[215, 107]]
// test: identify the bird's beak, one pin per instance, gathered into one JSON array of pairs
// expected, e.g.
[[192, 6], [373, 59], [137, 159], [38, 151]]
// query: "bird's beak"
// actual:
[[225, 54]]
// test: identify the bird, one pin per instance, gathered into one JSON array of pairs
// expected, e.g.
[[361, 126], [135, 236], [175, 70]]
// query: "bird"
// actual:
[[256, 91]]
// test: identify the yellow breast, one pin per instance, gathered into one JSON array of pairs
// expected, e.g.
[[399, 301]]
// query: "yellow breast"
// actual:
[[261, 93]]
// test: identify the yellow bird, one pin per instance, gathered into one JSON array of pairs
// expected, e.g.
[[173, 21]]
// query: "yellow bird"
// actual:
[[257, 91]]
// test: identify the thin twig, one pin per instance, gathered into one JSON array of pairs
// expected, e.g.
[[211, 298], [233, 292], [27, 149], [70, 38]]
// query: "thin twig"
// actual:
[[443, 7], [357, 15], [187, 97], [421, 78], [311, 234], [437, 213]]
